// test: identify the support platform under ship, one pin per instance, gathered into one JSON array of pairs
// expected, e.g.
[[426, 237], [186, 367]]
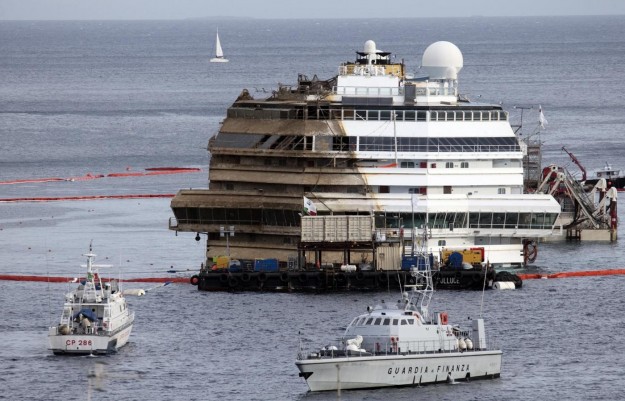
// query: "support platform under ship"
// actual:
[[372, 141]]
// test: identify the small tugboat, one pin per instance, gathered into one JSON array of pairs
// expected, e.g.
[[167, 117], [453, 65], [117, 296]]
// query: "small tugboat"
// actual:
[[402, 345], [614, 177], [95, 318]]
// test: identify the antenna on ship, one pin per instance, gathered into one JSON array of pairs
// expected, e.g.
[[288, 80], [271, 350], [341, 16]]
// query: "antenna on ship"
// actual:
[[423, 288], [522, 108], [490, 240]]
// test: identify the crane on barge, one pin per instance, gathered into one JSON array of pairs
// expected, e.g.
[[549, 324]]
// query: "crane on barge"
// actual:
[[574, 160]]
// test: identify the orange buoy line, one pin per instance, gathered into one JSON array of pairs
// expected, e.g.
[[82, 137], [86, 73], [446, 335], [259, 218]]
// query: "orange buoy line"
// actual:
[[80, 198], [57, 279], [89, 176], [584, 273], [185, 169], [34, 180]]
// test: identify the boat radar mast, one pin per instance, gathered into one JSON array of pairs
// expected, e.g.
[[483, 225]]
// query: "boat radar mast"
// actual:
[[422, 290]]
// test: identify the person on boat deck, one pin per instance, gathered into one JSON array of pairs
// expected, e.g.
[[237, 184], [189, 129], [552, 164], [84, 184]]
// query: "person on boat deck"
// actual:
[[85, 323]]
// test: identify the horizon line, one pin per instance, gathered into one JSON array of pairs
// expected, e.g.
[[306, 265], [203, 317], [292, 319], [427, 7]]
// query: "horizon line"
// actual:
[[310, 18]]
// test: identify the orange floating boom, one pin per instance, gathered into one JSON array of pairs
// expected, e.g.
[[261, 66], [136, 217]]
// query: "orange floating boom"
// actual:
[[583, 273], [89, 176], [56, 279], [86, 197]]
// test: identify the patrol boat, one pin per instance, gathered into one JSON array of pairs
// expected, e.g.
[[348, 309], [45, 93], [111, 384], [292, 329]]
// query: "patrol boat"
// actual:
[[402, 345], [95, 318]]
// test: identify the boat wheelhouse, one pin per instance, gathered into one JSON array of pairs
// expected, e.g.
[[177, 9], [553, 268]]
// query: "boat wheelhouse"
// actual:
[[370, 141]]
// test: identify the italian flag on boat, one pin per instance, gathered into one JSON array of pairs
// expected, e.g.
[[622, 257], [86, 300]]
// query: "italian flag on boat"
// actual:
[[309, 207]]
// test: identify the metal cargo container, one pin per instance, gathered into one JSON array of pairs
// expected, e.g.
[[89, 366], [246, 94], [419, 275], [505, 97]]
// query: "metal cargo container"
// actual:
[[266, 265], [335, 228], [312, 229], [360, 228], [408, 262], [388, 258]]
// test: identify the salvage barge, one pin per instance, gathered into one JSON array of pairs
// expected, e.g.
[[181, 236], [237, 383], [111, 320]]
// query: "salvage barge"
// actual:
[[341, 281], [346, 236]]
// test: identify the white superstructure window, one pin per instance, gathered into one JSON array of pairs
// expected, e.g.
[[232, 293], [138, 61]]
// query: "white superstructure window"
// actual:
[[501, 191], [464, 165], [449, 165]]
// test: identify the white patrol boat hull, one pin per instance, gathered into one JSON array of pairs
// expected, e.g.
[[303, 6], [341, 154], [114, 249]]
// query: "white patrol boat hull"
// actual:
[[86, 344], [360, 372]]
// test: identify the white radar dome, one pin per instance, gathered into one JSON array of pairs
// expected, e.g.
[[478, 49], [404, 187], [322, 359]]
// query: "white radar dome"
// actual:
[[370, 47], [442, 60]]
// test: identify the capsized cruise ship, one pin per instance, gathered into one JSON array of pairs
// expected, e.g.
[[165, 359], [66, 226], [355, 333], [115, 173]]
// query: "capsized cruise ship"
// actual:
[[371, 141]]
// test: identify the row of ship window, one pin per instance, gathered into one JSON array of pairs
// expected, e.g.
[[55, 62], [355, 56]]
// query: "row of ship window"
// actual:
[[433, 165], [411, 115], [379, 321], [369, 115], [442, 220], [485, 220], [369, 143], [433, 145]]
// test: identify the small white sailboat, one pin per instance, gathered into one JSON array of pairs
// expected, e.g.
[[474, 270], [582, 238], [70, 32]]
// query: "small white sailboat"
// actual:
[[219, 53]]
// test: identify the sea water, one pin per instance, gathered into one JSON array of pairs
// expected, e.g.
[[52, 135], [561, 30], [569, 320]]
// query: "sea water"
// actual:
[[103, 97]]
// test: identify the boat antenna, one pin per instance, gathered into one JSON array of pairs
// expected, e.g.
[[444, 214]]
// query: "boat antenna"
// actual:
[[48, 280], [119, 273], [490, 240], [424, 287], [484, 286]]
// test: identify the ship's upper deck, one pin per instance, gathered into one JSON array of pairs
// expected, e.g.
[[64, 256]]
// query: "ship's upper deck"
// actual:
[[375, 82], [374, 76]]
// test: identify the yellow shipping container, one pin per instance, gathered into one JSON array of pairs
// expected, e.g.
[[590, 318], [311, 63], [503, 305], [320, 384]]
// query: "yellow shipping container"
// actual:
[[221, 262], [472, 256]]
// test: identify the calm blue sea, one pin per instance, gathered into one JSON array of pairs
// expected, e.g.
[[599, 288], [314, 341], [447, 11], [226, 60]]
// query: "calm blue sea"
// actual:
[[93, 97]]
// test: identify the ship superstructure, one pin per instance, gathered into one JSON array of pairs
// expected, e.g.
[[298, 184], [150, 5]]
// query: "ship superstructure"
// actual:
[[370, 141]]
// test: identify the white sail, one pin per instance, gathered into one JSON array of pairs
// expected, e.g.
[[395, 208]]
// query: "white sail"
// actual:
[[219, 53], [218, 50]]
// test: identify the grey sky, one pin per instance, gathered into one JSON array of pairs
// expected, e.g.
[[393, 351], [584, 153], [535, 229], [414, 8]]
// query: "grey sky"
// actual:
[[179, 9]]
